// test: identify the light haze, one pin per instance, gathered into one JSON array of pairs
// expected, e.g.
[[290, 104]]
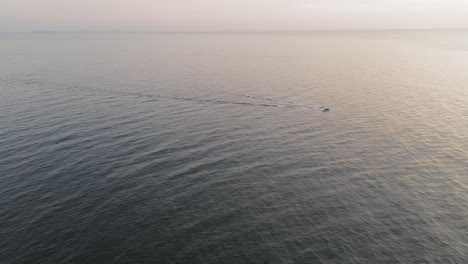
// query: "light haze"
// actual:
[[230, 15]]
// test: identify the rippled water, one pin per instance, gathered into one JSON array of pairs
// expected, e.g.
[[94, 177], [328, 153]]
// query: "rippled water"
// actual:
[[211, 148]]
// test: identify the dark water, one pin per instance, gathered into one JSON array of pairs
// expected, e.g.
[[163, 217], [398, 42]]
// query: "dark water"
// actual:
[[209, 148]]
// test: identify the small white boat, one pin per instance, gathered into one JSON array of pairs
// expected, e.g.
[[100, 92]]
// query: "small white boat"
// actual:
[[324, 108]]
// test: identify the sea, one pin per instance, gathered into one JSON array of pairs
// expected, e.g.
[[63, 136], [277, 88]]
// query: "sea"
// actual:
[[214, 147]]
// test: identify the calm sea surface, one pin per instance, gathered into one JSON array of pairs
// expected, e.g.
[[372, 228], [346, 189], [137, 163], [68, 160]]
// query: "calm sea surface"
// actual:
[[211, 148]]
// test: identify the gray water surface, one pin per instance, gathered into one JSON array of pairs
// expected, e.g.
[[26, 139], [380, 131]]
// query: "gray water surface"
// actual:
[[210, 148]]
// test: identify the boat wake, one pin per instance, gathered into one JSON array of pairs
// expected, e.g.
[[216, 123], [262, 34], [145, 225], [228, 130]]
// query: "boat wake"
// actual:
[[259, 101]]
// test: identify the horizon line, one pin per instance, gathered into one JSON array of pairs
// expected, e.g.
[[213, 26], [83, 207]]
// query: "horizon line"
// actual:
[[230, 31]]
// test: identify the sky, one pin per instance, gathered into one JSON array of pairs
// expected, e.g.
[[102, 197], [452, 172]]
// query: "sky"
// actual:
[[230, 15]]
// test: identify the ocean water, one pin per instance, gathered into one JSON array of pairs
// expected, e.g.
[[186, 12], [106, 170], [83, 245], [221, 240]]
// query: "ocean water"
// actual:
[[212, 148]]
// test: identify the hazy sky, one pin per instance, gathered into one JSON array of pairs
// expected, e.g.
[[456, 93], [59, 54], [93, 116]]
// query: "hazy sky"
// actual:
[[219, 15]]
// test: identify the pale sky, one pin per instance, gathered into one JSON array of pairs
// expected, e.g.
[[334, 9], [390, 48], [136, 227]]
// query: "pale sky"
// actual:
[[230, 15]]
